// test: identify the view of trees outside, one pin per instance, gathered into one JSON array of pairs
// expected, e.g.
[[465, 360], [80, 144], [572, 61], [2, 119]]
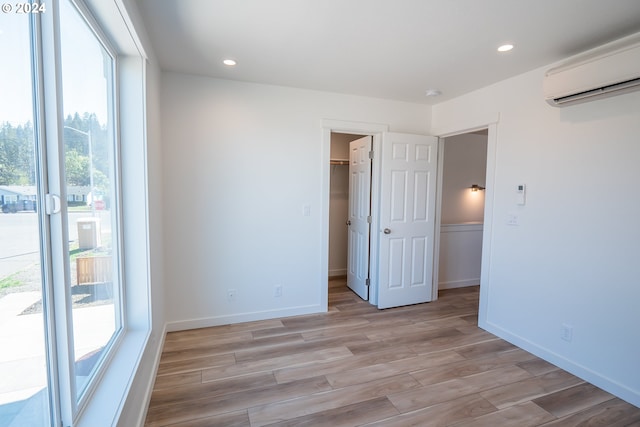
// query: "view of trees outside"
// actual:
[[17, 160], [90, 248], [24, 395]]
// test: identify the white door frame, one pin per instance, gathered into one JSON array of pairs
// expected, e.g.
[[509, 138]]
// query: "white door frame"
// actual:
[[356, 128], [359, 128], [487, 235]]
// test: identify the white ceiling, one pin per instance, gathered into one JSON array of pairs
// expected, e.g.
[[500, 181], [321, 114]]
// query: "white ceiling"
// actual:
[[394, 49]]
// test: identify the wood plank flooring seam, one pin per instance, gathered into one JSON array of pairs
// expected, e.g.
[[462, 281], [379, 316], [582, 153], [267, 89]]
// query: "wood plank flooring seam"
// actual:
[[421, 365]]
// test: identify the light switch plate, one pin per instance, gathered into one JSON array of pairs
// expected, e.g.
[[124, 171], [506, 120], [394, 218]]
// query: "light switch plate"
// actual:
[[521, 191]]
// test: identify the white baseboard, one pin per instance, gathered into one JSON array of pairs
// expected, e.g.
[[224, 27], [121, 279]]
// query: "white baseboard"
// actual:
[[458, 283], [182, 325], [620, 390], [338, 272]]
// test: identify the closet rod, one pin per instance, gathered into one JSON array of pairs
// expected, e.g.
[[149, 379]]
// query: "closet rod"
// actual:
[[339, 162]]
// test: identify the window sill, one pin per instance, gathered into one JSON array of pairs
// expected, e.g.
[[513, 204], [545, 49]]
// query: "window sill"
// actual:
[[110, 395]]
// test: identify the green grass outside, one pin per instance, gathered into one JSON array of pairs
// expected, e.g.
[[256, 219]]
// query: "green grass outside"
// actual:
[[11, 281], [75, 253], [105, 249]]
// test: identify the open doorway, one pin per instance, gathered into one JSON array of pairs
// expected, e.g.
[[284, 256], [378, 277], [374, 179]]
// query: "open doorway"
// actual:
[[345, 260], [464, 171], [404, 213]]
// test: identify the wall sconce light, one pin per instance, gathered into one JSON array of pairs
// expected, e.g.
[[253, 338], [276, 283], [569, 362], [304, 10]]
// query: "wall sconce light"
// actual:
[[476, 187]]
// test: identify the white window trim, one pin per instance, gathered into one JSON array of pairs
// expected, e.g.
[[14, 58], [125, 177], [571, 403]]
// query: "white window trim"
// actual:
[[110, 395], [107, 399]]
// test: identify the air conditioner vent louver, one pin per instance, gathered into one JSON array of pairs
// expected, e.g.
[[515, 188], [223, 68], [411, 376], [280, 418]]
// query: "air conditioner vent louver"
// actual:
[[612, 69], [610, 90]]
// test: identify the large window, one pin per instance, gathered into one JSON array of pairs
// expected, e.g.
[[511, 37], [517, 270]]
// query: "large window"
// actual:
[[61, 266], [89, 148], [24, 372]]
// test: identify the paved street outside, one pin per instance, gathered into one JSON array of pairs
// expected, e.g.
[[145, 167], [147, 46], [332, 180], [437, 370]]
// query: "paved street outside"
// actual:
[[22, 344], [20, 238]]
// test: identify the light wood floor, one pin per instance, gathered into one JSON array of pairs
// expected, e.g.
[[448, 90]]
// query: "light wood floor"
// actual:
[[422, 365]]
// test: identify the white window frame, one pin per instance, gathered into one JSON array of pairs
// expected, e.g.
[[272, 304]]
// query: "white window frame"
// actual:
[[103, 402]]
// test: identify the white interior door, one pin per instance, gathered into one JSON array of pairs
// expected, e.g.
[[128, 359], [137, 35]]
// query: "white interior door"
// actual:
[[407, 226], [359, 221]]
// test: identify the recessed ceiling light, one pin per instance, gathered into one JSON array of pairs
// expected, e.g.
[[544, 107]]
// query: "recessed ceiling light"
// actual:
[[229, 62], [433, 92], [505, 48]]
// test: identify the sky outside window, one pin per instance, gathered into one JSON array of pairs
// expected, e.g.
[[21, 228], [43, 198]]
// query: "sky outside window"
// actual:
[[14, 107]]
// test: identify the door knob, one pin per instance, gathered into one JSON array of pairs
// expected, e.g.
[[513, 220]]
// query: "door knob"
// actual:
[[348, 222], [386, 231]]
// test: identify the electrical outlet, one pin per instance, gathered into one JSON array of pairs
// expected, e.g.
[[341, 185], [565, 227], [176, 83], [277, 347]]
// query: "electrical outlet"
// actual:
[[567, 332], [277, 291], [231, 295], [513, 219]]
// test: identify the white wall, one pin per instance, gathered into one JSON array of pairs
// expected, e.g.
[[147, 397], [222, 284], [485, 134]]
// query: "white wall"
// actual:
[[573, 258], [462, 210], [460, 255], [340, 145], [465, 159], [338, 215], [134, 408], [241, 161]]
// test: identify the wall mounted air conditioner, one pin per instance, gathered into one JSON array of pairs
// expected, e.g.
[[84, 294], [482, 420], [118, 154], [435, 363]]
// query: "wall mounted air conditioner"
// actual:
[[608, 70]]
